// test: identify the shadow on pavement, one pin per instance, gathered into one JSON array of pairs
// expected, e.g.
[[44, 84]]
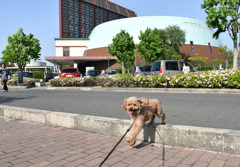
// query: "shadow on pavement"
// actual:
[[5, 99]]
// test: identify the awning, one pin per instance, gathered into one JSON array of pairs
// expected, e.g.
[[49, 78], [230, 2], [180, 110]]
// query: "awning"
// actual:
[[80, 59]]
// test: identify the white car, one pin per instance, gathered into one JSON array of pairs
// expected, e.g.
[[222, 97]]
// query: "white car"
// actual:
[[110, 73]]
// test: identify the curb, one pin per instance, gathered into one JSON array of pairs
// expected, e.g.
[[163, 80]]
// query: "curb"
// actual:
[[153, 90], [220, 140]]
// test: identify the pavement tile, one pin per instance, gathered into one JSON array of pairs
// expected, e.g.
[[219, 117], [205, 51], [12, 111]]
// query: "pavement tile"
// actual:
[[26, 154], [200, 164], [183, 165], [120, 165], [207, 157], [5, 155], [23, 164], [197, 153], [222, 156], [6, 165], [8, 159], [34, 145], [144, 152], [18, 161], [77, 150], [40, 159], [232, 161], [124, 148], [149, 157], [114, 160], [138, 163], [59, 157], [154, 163], [173, 161], [131, 159], [128, 153], [40, 164], [93, 156], [182, 153], [58, 163], [76, 162], [190, 160], [93, 162], [216, 163], [76, 156]]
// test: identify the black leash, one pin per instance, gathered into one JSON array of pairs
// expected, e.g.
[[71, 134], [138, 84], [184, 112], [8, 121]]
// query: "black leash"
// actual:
[[119, 140]]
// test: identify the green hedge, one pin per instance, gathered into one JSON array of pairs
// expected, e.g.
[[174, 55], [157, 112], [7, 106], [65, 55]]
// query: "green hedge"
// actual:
[[26, 81], [205, 79]]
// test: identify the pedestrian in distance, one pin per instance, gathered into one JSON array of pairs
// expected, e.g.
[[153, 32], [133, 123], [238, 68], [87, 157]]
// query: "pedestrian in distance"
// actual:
[[5, 72], [186, 69]]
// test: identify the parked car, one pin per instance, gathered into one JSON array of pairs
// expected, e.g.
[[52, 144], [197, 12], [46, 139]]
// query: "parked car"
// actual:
[[56, 75], [92, 73], [69, 72], [169, 67], [48, 76], [110, 73], [141, 70]]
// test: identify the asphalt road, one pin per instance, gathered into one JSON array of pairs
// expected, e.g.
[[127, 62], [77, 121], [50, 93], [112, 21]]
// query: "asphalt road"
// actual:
[[204, 110]]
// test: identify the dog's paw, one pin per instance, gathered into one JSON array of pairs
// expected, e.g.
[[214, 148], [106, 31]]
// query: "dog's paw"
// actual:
[[133, 142], [129, 140]]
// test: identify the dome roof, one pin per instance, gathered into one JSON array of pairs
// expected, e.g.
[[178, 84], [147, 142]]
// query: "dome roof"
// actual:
[[196, 30]]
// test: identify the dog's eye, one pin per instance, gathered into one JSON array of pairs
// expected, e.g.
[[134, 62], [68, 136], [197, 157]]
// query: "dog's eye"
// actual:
[[128, 104], [135, 104]]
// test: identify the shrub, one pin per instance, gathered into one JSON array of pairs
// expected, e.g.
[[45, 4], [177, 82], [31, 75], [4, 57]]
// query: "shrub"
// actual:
[[38, 74], [26, 81], [204, 79]]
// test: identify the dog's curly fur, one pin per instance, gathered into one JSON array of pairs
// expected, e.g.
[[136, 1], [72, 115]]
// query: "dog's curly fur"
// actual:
[[157, 107], [148, 109]]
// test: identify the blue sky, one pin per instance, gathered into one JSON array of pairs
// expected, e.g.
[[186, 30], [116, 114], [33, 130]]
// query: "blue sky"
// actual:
[[41, 18]]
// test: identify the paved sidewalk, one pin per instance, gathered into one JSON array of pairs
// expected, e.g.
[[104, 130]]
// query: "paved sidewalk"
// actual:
[[33, 145]]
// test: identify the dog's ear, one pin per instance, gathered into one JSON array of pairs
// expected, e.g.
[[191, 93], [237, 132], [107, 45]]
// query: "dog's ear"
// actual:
[[124, 105], [143, 100]]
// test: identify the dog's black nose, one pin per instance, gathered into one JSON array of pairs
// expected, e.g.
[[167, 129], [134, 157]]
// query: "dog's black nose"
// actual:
[[131, 109]]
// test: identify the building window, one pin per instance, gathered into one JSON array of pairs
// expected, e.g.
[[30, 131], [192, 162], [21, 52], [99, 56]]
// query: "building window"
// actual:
[[210, 47], [192, 46], [65, 51]]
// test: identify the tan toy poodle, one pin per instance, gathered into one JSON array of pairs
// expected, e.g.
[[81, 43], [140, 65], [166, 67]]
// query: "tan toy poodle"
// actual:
[[148, 109]]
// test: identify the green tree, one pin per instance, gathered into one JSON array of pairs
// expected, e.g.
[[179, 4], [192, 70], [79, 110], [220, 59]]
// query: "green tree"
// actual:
[[123, 48], [150, 46], [21, 49], [228, 55], [175, 36], [162, 34], [198, 60], [217, 62], [177, 57], [172, 37], [223, 15]]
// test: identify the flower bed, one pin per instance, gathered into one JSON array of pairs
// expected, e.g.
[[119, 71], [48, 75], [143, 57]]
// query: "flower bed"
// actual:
[[205, 79], [26, 81]]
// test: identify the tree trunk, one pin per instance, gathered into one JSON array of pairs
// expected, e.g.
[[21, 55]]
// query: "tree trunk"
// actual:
[[20, 69], [226, 62], [123, 68], [235, 56]]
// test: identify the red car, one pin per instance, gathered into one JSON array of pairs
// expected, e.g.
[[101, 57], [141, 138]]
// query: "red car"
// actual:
[[69, 72]]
